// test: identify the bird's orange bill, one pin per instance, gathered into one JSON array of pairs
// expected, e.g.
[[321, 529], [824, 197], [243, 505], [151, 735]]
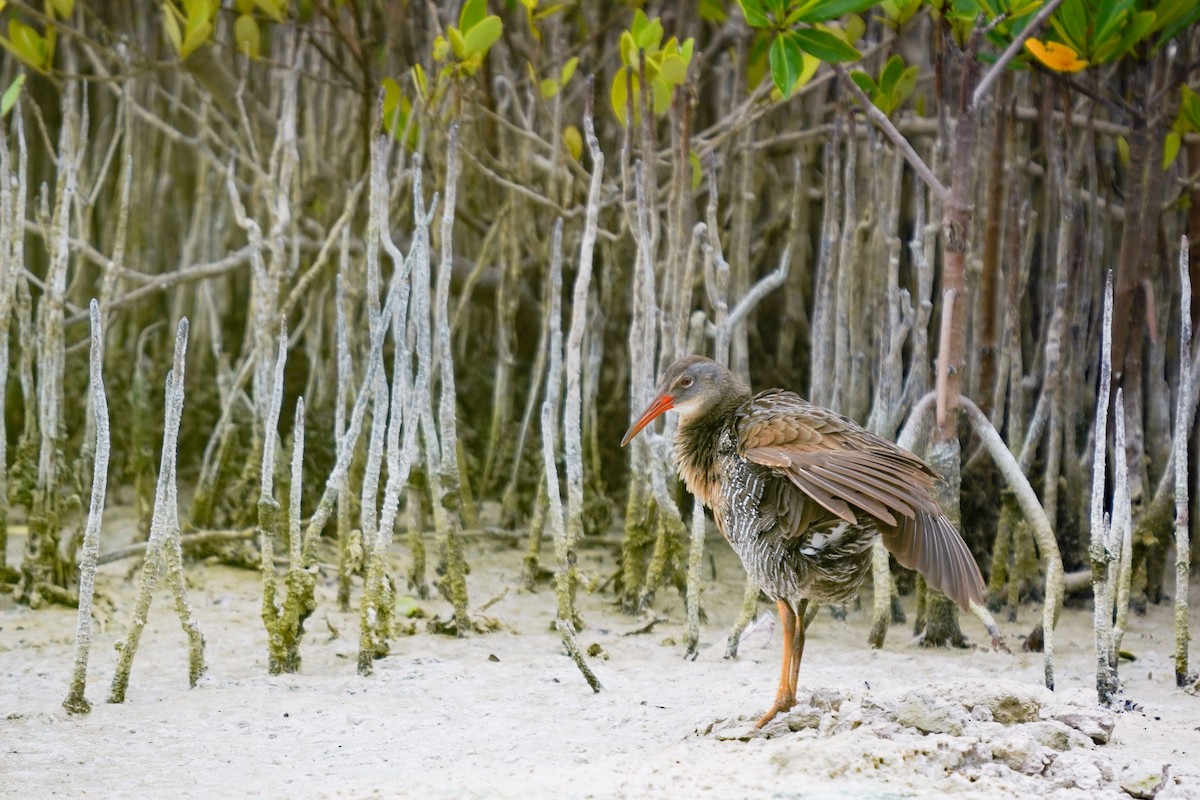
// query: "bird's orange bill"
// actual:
[[660, 404]]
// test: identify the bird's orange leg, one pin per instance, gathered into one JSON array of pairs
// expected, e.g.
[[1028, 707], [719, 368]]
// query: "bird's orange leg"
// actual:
[[785, 696], [797, 648]]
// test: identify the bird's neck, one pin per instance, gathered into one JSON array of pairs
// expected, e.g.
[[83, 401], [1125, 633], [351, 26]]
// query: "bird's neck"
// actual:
[[698, 444]]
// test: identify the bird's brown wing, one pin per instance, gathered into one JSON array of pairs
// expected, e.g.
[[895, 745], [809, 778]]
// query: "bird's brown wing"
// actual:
[[846, 470], [930, 544], [833, 460]]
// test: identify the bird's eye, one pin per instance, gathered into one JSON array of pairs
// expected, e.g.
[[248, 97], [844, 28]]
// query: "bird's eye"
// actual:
[[686, 381]]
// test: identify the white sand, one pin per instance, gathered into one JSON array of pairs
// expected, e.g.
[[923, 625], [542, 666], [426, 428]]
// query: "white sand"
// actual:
[[441, 718]]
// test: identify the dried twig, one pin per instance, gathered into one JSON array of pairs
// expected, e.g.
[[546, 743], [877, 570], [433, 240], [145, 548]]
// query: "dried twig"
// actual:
[[568, 638]]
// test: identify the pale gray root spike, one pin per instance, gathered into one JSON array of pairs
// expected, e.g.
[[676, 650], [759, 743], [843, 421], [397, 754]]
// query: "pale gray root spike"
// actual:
[[1120, 536], [1098, 549], [271, 421], [162, 521], [1183, 551], [573, 408], [296, 493], [76, 702], [554, 379], [349, 440], [345, 365], [375, 444]]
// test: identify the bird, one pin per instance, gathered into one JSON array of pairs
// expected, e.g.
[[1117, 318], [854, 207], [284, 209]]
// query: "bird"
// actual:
[[802, 493]]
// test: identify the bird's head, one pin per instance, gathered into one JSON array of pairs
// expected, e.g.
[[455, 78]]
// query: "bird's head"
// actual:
[[691, 387]]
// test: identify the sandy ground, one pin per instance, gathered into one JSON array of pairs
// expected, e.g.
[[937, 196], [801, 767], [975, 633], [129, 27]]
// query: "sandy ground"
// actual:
[[508, 715]]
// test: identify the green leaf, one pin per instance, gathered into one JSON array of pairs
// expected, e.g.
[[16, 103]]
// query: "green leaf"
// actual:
[[906, 85], [825, 10], [891, 73], [1109, 17], [418, 73], [662, 96], [865, 82], [697, 169], [548, 88], [63, 8], [207, 8], [1123, 152], [568, 70], [245, 33], [798, 12], [628, 49], [753, 11], [171, 27], [853, 28], [456, 42], [195, 38], [198, 13], [1073, 16], [757, 63], [685, 52], [898, 12], [639, 24], [811, 65], [548, 11], [483, 35], [1139, 25], [1106, 51], [1170, 11], [9, 98], [713, 11], [650, 37], [275, 9], [776, 7], [674, 70], [473, 12], [573, 141], [441, 49], [824, 45], [391, 95], [1189, 108], [619, 94], [26, 43], [1172, 28], [786, 62], [1170, 149], [1025, 10]]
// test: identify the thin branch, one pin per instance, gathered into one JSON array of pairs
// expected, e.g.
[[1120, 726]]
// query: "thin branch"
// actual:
[[879, 118], [764, 287]]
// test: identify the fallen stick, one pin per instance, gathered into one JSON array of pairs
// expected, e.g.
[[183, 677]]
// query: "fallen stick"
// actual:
[[568, 637]]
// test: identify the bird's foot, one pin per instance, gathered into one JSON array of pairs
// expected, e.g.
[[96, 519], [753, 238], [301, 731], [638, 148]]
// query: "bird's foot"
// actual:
[[783, 704]]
